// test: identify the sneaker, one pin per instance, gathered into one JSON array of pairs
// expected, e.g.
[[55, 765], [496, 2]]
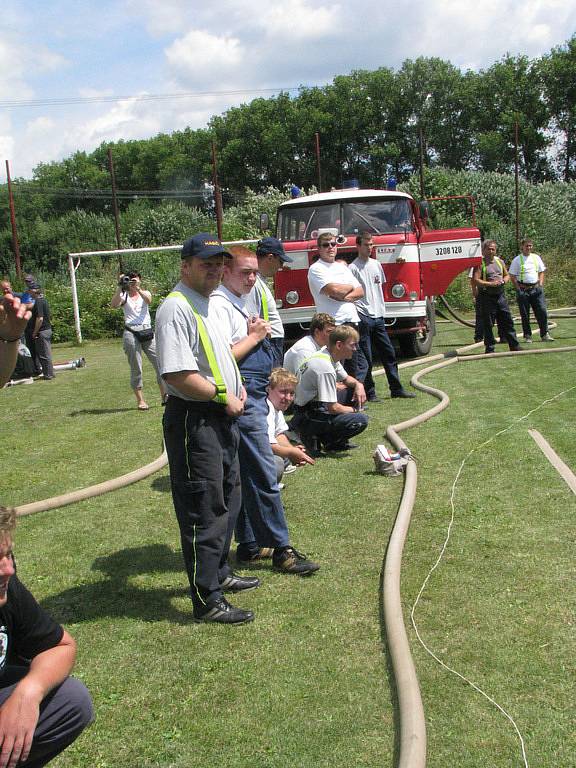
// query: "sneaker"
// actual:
[[221, 612], [527, 339], [402, 393], [289, 560], [290, 468], [490, 350], [247, 554], [235, 583], [547, 337]]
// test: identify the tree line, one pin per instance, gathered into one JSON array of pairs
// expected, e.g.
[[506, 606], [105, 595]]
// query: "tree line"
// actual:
[[369, 123]]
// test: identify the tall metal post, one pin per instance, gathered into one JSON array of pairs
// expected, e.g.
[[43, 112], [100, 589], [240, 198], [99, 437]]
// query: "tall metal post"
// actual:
[[422, 190], [516, 186], [75, 306], [217, 195], [15, 243], [318, 166], [115, 206]]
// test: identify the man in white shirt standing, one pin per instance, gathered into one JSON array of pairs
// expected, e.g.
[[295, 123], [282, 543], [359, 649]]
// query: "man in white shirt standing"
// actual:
[[335, 289], [371, 310], [260, 301], [527, 274]]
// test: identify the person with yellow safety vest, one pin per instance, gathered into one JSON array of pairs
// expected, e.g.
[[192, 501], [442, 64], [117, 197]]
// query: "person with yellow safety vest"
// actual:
[[206, 397], [260, 301], [490, 277], [527, 274]]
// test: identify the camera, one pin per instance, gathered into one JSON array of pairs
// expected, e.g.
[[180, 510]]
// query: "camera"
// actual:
[[124, 282]]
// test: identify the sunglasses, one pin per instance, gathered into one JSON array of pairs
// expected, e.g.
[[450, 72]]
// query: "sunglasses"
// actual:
[[328, 245]]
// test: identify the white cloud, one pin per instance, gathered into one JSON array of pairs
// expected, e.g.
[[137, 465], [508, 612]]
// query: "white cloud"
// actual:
[[306, 21], [202, 59]]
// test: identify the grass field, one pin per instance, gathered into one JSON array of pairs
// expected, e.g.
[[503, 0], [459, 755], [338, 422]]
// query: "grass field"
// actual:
[[308, 684]]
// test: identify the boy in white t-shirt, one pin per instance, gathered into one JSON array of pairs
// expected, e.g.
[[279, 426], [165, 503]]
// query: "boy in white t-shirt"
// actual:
[[281, 391]]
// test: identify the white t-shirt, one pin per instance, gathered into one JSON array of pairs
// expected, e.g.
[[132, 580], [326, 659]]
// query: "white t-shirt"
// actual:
[[178, 345], [136, 312], [316, 380], [302, 350], [320, 274], [276, 423], [254, 307], [533, 265], [371, 277], [228, 311]]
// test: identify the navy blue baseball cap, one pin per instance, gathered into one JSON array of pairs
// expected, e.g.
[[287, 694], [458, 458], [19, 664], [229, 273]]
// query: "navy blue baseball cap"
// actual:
[[203, 246], [274, 246]]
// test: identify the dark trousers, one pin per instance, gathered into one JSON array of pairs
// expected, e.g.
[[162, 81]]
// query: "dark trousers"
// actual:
[[373, 335], [202, 446], [64, 713], [495, 305], [262, 518], [332, 430], [532, 298], [479, 322], [43, 353]]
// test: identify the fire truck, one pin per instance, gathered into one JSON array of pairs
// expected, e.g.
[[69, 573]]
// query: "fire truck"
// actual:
[[419, 261]]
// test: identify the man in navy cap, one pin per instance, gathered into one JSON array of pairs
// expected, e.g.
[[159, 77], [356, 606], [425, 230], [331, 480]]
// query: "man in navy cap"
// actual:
[[206, 397], [260, 301]]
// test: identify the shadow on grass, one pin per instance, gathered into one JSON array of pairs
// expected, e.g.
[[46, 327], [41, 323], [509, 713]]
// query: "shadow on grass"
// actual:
[[99, 411], [161, 484], [116, 596]]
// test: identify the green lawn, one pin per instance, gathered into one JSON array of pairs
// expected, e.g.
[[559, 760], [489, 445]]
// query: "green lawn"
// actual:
[[308, 684]]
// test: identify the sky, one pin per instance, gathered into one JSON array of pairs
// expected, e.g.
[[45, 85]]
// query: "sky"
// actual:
[[116, 52]]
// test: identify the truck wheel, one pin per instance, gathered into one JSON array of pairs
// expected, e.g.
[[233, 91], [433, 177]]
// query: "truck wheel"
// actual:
[[419, 344]]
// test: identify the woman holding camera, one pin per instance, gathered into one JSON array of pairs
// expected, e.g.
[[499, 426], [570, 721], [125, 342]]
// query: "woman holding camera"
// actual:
[[138, 334]]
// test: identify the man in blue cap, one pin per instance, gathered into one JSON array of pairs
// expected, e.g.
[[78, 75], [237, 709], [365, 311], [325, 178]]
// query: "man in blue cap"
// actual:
[[260, 301], [206, 397]]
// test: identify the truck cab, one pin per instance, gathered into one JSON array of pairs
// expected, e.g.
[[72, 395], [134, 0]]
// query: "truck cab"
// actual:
[[419, 261]]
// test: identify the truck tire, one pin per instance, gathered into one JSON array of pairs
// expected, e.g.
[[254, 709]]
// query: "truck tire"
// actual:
[[419, 344]]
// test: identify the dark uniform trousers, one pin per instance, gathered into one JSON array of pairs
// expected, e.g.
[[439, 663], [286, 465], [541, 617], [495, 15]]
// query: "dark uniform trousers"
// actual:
[[532, 297], [495, 305], [373, 334], [202, 446]]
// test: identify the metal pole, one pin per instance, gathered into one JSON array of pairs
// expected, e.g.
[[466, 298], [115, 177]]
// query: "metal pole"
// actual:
[[318, 166], [516, 186], [15, 244], [75, 307], [217, 195], [115, 206], [422, 191]]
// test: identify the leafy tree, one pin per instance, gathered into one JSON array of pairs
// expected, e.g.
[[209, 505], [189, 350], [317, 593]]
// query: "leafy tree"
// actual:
[[558, 74]]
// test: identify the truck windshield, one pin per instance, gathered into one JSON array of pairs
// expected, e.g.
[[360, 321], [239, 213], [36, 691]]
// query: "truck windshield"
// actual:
[[348, 218]]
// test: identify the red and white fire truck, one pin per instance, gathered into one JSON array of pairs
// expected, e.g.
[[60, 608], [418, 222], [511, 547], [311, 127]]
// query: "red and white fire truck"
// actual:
[[419, 262]]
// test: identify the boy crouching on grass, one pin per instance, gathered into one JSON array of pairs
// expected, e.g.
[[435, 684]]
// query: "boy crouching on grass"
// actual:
[[281, 390], [42, 710]]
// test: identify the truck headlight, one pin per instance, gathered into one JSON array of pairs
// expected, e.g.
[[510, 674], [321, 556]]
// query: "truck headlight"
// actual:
[[292, 297], [398, 290]]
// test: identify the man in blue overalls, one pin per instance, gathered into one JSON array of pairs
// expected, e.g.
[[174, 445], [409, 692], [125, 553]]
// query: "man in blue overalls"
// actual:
[[262, 521]]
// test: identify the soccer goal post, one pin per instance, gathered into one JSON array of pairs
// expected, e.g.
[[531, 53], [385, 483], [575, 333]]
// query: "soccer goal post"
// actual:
[[75, 259]]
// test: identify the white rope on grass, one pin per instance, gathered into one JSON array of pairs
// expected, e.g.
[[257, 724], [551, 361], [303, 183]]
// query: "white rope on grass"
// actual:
[[428, 650]]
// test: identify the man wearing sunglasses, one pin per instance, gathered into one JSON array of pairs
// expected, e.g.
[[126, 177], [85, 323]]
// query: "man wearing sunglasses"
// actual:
[[335, 289]]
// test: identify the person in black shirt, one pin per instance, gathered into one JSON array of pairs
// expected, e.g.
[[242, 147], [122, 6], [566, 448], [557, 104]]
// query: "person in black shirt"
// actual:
[[42, 710], [41, 333]]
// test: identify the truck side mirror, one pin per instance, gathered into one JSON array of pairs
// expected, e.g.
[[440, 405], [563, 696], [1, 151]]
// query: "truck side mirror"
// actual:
[[264, 222], [424, 210]]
